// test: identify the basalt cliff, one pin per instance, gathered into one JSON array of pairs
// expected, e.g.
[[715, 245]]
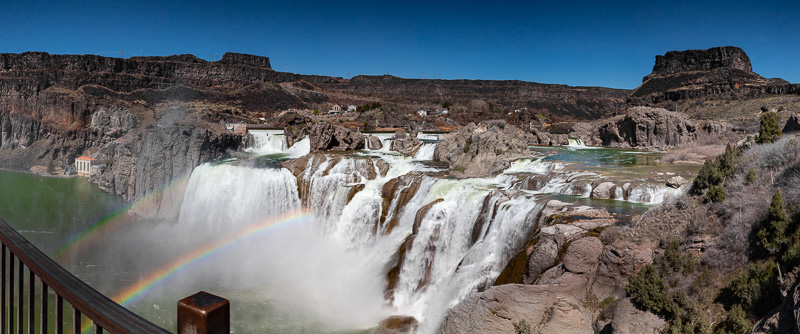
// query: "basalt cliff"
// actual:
[[724, 72]]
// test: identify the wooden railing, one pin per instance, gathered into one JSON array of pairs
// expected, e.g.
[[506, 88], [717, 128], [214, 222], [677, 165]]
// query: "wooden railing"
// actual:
[[101, 310]]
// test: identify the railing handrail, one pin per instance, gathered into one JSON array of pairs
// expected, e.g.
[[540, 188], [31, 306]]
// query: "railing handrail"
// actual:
[[103, 311]]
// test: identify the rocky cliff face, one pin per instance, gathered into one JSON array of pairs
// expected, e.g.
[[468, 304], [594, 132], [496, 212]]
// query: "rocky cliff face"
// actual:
[[55, 108], [690, 74], [149, 159], [647, 127], [701, 60], [561, 100]]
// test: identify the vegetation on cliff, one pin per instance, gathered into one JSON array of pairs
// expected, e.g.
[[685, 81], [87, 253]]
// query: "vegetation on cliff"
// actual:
[[737, 240]]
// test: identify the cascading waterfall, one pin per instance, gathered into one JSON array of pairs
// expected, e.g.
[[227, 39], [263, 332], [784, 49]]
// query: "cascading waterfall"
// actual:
[[576, 143], [449, 254], [425, 152], [267, 142], [274, 142]]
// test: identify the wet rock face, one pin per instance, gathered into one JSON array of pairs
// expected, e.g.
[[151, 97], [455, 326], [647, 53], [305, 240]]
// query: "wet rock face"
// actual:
[[648, 127], [702, 60], [398, 324]]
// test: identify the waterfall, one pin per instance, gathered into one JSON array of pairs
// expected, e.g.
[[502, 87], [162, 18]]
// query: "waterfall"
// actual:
[[425, 152], [273, 142], [576, 143], [224, 197], [267, 142], [456, 236]]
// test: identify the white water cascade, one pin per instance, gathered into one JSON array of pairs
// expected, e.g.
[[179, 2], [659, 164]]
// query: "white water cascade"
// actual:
[[274, 142], [451, 248], [426, 151], [576, 143]]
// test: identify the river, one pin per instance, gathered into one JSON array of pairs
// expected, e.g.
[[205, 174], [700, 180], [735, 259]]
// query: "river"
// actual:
[[310, 254]]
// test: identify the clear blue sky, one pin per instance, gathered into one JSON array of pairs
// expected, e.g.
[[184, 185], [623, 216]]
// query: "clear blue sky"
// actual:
[[589, 43]]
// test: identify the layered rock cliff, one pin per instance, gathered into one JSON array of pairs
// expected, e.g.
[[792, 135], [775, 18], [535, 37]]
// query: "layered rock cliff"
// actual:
[[720, 71]]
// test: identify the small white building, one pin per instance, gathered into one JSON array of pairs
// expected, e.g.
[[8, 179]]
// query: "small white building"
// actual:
[[335, 110], [352, 108], [441, 111], [422, 112], [83, 165]]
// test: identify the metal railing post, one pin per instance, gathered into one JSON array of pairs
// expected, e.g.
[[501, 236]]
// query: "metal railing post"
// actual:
[[204, 313]]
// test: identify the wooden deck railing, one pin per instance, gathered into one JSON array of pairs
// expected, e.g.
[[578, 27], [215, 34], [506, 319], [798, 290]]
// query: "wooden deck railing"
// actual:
[[102, 311]]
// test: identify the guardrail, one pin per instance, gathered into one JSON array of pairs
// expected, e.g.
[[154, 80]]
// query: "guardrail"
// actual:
[[195, 312]]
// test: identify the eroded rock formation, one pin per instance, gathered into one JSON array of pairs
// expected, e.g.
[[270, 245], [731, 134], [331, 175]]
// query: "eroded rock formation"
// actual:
[[647, 127], [483, 149]]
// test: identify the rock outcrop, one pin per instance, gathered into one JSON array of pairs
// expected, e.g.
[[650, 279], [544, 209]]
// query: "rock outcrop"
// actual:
[[647, 127], [701, 60], [792, 124], [397, 324], [681, 75], [326, 137], [408, 145], [503, 309], [483, 149], [113, 123], [628, 319]]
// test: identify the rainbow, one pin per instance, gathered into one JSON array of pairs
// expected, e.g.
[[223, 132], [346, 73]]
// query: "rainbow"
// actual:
[[205, 251], [104, 225]]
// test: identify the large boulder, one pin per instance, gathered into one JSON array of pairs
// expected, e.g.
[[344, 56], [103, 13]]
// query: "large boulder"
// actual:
[[374, 143], [482, 150], [407, 145], [629, 320], [604, 190], [326, 137], [513, 307], [792, 124], [649, 128], [583, 255], [398, 324]]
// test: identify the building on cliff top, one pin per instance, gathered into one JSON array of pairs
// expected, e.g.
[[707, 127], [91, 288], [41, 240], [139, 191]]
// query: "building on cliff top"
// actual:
[[335, 110], [237, 128], [83, 165]]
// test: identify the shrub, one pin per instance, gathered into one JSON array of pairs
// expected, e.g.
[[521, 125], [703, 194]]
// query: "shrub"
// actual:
[[756, 288], [522, 327], [647, 289], [770, 130], [316, 112], [716, 193], [773, 231], [751, 176], [736, 322], [468, 142], [707, 176], [672, 256]]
